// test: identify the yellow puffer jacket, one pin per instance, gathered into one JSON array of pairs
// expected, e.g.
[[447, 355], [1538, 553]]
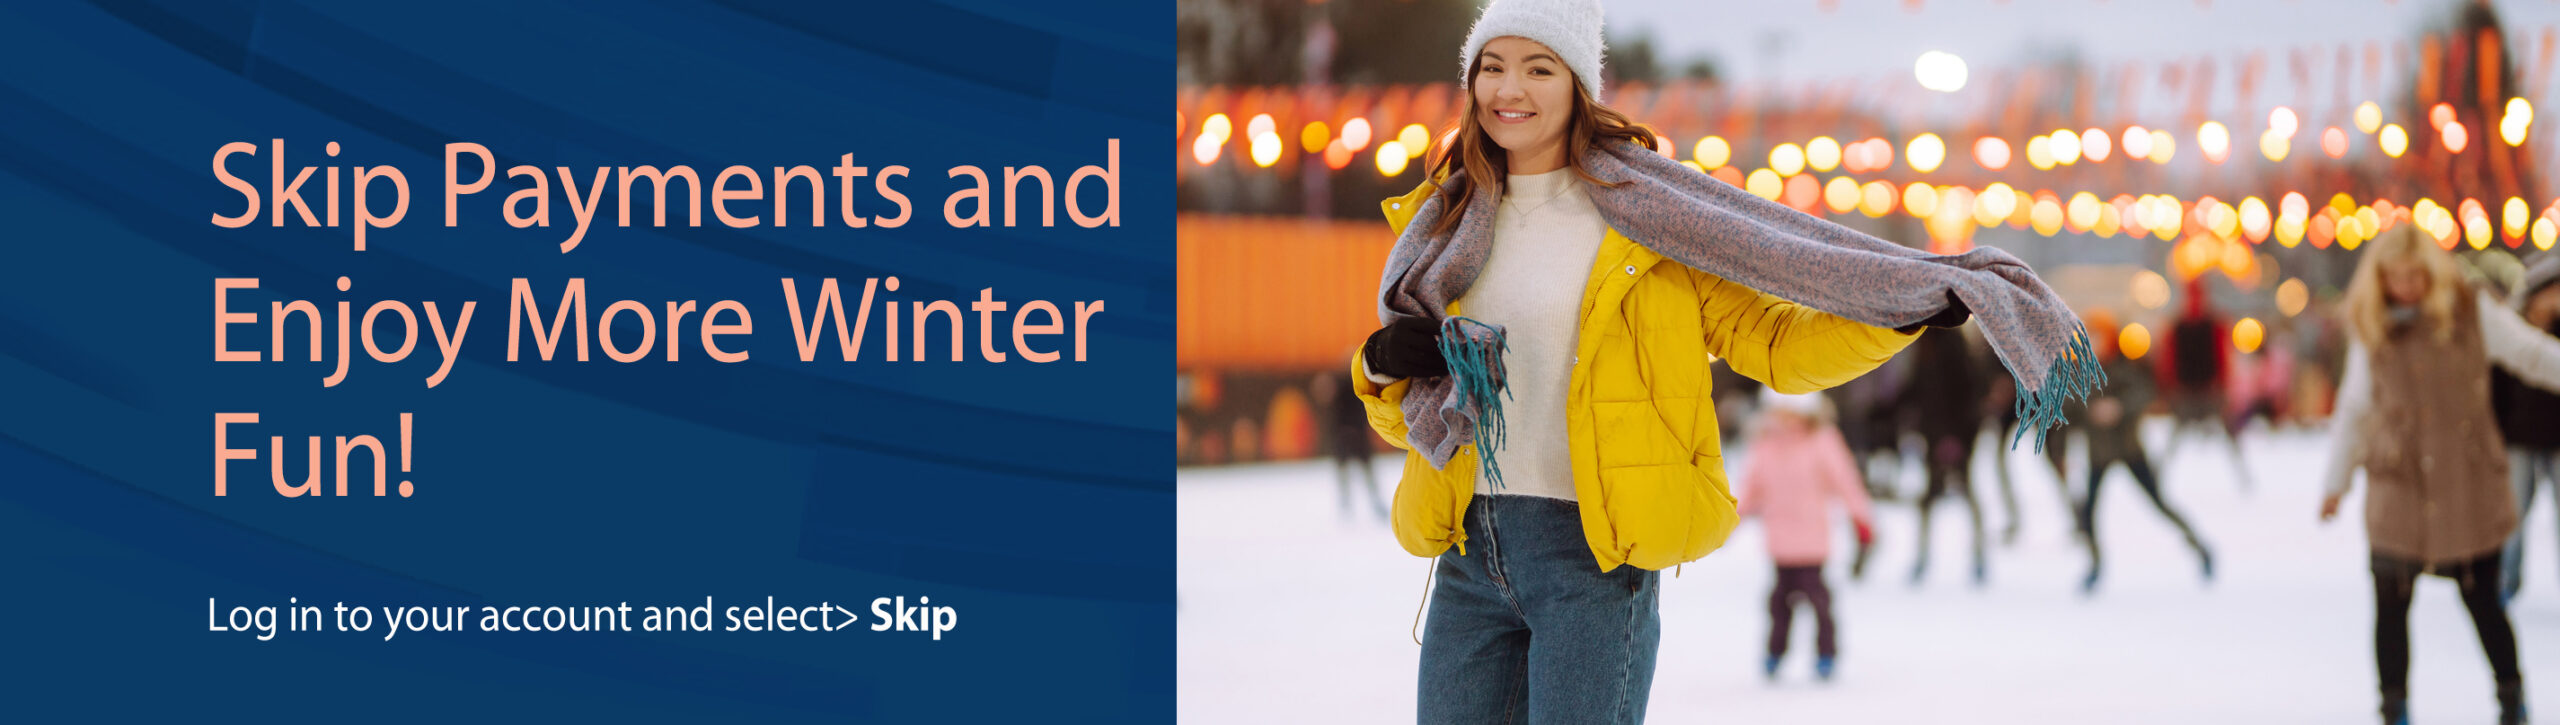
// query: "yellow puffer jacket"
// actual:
[[1647, 463]]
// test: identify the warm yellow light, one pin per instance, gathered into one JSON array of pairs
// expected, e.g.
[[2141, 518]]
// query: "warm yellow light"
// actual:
[[2254, 219], [1995, 204], [1392, 158], [1416, 140], [1920, 199], [2456, 137], [2368, 117], [2517, 216], [2134, 341], [1266, 149], [2214, 140], [2065, 147], [1765, 184], [2544, 232], [1355, 134], [2394, 140], [2292, 296], [1313, 138], [1713, 152], [1787, 159], [1925, 152], [1876, 199], [1841, 194], [2289, 230], [1989, 151], [2137, 142], [2109, 221], [2083, 211], [1822, 153], [1204, 148], [2040, 152], [2163, 147], [2095, 145], [2476, 230], [2247, 334], [2045, 217], [2168, 217], [1217, 126], [2222, 220], [2274, 145], [2517, 121]]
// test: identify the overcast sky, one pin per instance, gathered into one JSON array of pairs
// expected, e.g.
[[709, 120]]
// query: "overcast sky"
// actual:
[[1788, 41]]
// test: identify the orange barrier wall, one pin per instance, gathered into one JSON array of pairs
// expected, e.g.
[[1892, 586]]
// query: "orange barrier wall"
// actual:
[[1275, 293]]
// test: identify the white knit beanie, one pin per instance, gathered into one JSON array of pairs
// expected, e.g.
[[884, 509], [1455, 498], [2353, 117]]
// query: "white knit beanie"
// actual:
[[1804, 404], [1570, 27]]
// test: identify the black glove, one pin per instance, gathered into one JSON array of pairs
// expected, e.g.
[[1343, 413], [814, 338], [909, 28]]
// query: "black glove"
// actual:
[[1954, 315], [1408, 348]]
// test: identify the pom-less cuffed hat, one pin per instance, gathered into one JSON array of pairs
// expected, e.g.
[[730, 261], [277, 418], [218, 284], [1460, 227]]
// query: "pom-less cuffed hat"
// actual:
[[1570, 27]]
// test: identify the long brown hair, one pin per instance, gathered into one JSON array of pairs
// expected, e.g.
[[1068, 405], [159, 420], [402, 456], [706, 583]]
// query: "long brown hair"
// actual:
[[1466, 146]]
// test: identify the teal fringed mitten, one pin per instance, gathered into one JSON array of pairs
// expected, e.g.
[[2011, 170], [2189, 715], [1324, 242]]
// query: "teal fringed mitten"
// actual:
[[1474, 352]]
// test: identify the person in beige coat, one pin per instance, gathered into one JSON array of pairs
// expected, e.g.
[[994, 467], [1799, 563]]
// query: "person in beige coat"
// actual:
[[2413, 411]]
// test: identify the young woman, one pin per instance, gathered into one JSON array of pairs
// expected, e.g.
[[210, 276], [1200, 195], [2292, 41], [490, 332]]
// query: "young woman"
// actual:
[[2414, 412], [1553, 299]]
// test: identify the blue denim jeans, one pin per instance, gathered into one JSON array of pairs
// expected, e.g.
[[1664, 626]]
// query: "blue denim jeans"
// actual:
[[1525, 628], [2526, 468]]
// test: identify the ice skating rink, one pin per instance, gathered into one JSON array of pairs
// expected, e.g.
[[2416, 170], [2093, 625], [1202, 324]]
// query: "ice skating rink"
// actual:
[[1291, 612]]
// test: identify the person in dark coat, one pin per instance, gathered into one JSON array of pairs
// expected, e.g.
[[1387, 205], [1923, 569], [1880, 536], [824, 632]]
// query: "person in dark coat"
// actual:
[[1945, 395], [1348, 439], [2529, 417], [2112, 435], [2198, 357]]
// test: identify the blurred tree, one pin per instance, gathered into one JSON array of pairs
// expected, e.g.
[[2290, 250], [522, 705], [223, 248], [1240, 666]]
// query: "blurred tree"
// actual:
[[1400, 41], [1631, 61], [1239, 42]]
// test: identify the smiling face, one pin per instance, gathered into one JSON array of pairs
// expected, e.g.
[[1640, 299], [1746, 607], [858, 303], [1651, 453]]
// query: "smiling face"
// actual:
[[1524, 101]]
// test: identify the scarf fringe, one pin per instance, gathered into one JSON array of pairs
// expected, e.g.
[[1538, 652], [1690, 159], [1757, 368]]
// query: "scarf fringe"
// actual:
[[2071, 378], [1474, 351]]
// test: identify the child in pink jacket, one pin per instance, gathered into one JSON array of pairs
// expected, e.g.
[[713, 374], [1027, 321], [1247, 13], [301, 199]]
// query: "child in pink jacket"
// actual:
[[1799, 467]]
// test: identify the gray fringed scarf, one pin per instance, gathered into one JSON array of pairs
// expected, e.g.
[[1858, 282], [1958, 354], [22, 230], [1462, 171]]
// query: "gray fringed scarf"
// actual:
[[1716, 228]]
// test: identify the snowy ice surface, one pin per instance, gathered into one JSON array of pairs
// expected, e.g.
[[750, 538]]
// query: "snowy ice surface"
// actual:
[[1291, 612]]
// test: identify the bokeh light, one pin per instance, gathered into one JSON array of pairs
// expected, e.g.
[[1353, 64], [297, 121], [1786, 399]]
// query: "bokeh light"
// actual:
[[2394, 140], [1712, 152], [1392, 158], [2292, 296], [1787, 159], [1822, 153], [1925, 152], [1989, 151], [2134, 341], [2214, 141], [2247, 334]]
